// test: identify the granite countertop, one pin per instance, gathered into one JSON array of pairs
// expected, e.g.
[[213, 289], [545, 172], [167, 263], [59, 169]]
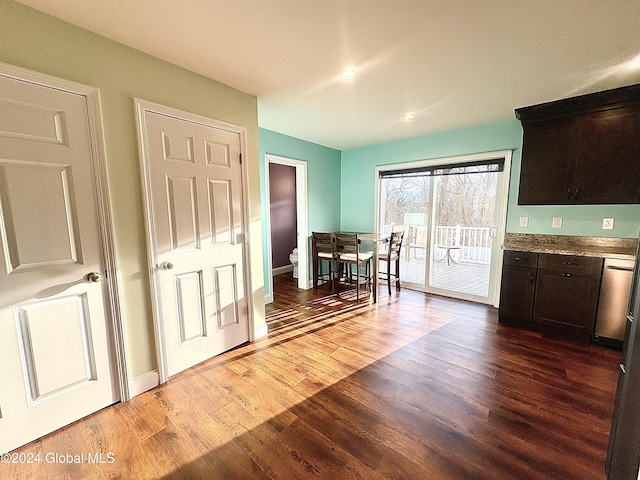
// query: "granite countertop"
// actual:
[[604, 247]]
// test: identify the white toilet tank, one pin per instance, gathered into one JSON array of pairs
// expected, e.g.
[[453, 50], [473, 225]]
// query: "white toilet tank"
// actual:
[[293, 258]]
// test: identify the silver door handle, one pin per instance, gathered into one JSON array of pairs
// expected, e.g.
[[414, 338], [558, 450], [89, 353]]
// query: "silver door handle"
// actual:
[[165, 266], [93, 277]]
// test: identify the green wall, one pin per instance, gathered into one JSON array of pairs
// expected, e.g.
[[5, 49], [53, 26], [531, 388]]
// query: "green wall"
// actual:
[[350, 207], [36, 41], [323, 179], [358, 183]]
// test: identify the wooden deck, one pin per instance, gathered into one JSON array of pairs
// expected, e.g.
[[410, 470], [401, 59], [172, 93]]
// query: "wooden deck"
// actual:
[[469, 278]]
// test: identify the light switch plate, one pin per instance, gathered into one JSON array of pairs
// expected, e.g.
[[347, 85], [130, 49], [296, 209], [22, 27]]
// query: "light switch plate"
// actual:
[[557, 222], [607, 223], [524, 221]]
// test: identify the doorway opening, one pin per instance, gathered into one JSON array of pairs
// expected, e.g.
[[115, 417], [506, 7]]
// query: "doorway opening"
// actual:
[[453, 213], [302, 222]]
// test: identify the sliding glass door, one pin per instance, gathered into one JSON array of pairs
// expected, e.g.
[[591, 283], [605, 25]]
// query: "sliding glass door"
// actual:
[[451, 213]]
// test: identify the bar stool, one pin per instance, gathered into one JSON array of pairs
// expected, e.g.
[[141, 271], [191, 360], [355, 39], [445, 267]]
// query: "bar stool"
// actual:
[[323, 248], [391, 254], [349, 255]]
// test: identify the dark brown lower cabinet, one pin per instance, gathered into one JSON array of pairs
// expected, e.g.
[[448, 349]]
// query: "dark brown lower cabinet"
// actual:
[[517, 292], [518, 286], [567, 301], [555, 294]]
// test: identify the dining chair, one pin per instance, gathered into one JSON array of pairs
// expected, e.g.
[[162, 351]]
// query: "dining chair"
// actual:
[[349, 256], [391, 254], [323, 248]]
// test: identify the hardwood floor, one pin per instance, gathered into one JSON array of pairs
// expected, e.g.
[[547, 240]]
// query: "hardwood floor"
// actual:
[[415, 387]]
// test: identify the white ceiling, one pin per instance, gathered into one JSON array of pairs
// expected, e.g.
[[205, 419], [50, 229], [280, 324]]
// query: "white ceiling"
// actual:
[[456, 63]]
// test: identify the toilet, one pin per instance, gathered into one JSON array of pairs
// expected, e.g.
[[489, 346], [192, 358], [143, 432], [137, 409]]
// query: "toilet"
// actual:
[[293, 258]]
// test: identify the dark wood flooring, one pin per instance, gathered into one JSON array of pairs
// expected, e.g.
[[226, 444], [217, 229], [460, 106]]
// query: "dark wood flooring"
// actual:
[[415, 387]]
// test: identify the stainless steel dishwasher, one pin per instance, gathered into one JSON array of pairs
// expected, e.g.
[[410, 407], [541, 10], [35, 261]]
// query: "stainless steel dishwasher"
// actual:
[[613, 305]]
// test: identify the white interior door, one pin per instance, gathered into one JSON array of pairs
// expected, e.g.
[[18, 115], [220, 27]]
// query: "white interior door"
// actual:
[[196, 229], [54, 345]]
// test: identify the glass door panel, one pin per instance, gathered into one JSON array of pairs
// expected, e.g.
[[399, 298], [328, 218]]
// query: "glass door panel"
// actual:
[[463, 232], [405, 207], [449, 217]]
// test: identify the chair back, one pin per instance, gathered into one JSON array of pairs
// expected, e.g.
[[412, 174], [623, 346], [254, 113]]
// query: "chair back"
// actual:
[[347, 243], [395, 243], [322, 243]]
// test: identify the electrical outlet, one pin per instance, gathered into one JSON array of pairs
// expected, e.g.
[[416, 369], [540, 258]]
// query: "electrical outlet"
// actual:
[[607, 223], [557, 222], [524, 221]]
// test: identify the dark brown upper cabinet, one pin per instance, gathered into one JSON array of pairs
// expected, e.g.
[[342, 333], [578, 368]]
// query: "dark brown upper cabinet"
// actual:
[[582, 150]]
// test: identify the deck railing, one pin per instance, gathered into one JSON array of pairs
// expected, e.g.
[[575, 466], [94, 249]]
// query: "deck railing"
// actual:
[[473, 244]]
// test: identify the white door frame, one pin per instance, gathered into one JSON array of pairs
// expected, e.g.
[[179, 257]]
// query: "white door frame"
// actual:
[[141, 107], [302, 219], [112, 313], [502, 194]]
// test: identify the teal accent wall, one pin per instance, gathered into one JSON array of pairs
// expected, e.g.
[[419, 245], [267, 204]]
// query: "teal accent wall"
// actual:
[[358, 164], [323, 182], [358, 183]]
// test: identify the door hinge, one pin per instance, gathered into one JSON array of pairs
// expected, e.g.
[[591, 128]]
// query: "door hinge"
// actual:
[[240, 159]]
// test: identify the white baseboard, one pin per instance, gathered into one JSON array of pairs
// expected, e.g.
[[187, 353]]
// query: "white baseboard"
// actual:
[[143, 383], [279, 270], [260, 331]]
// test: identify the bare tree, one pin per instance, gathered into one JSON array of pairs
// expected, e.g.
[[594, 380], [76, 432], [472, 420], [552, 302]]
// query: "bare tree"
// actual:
[[467, 200]]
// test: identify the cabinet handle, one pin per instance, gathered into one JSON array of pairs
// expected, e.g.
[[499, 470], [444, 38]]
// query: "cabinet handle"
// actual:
[[622, 368], [570, 263], [568, 192], [575, 194], [532, 279], [566, 274], [517, 259]]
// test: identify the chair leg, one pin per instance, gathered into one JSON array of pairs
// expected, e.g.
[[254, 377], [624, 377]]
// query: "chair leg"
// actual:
[[398, 275], [315, 274]]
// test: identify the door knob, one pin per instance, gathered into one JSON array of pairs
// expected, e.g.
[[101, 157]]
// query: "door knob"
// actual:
[[165, 266], [93, 277]]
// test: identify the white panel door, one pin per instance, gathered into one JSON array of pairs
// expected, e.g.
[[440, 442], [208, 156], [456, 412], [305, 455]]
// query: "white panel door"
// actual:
[[196, 202], [54, 345]]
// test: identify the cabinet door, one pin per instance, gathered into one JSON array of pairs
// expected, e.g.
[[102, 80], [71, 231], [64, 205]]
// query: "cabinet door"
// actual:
[[517, 292], [608, 165], [548, 162], [566, 300]]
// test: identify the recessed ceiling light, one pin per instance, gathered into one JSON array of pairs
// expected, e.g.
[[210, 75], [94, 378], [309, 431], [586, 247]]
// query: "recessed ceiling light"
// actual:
[[348, 75], [409, 116]]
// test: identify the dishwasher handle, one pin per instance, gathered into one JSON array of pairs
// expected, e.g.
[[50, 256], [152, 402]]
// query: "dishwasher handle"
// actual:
[[616, 267]]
